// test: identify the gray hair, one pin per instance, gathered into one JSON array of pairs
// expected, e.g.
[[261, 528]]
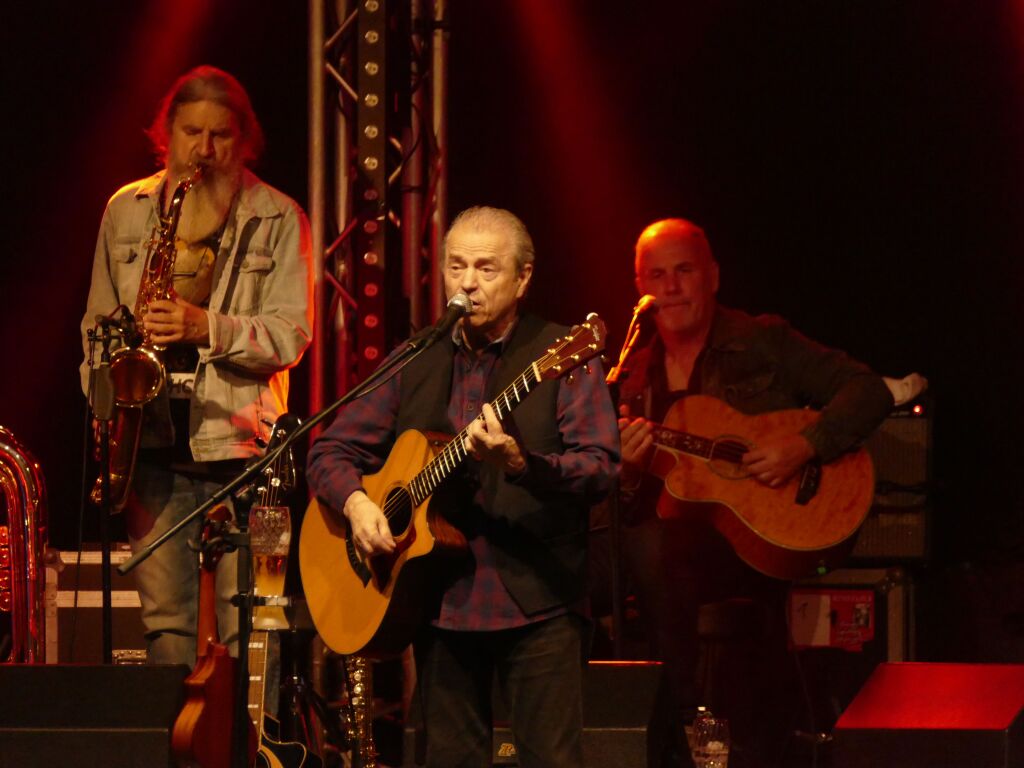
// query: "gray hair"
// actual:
[[482, 218]]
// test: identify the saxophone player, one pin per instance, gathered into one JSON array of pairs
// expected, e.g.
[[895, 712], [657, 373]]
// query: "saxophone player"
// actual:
[[239, 316]]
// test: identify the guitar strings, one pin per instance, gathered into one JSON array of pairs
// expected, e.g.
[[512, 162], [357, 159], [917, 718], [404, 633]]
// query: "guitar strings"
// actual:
[[728, 450], [452, 454], [393, 505]]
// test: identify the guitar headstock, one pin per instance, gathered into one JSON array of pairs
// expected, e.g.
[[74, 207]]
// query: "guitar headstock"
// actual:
[[280, 476], [583, 342]]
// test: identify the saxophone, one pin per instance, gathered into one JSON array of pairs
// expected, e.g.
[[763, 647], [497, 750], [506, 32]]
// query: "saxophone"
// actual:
[[23, 548], [136, 370]]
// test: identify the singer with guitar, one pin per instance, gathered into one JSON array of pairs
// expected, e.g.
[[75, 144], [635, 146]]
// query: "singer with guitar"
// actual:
[[510, 604], [675, 558]]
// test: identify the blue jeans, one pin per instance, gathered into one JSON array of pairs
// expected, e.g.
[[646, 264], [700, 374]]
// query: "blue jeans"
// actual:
[[539, 673], [168, 581]]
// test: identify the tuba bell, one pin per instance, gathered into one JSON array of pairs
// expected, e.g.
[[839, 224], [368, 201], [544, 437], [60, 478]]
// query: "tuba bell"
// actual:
[[136, 370], [23, 545]]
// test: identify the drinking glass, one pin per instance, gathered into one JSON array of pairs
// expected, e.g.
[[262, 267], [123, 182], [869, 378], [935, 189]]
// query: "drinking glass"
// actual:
[[270, 534], [711, 743]]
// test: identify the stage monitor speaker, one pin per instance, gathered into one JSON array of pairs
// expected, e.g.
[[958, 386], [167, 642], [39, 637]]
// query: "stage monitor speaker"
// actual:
[[935, 716], [896, 529], [621, 723], [88, 716]]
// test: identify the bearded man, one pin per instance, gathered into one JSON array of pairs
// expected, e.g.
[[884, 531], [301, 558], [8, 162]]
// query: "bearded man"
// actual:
[[242, 316]]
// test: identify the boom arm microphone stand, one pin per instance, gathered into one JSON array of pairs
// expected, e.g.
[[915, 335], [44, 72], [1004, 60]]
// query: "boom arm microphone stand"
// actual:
[[456, 308]]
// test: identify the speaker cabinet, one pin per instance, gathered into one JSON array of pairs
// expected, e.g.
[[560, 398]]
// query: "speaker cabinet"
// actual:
[[935, 716], [896, 529], [88, 716], [621, 726]]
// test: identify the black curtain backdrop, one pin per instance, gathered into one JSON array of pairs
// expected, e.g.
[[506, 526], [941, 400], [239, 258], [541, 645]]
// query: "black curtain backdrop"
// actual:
[[856, 165]]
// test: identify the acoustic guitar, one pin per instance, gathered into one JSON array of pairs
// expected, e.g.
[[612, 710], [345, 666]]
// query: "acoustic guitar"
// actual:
[[271, 530], [789, 531], [201, 736], [372, 606], [273, 752]]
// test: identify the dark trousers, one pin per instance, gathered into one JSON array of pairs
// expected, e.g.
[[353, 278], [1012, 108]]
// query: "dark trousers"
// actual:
[[675, 567], [538, 671]]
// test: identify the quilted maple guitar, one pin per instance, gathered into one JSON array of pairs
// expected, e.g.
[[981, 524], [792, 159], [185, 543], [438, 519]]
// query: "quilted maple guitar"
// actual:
[[372, 606], [788, 531]]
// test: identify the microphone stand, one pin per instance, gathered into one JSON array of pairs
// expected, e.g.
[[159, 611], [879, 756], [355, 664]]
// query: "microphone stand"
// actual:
[[244, 599], [101, 397], [614, 511]]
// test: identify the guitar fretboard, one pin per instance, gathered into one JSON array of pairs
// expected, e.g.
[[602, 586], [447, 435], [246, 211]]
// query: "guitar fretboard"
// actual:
[[720, 448], [257, 677], [454, 452], [694, 445]]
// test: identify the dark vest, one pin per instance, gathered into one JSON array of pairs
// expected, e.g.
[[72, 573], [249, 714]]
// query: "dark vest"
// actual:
[[538, 536]]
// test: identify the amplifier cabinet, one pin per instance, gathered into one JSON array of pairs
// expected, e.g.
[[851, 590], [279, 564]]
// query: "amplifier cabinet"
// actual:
[[842, 626], [897, 527]]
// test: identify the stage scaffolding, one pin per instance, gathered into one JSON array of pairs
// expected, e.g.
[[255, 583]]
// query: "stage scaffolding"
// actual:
[[378, 212], [377, 180]]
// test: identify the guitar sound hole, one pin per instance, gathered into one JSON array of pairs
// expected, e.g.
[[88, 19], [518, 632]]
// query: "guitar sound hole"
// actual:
[[726, 455], [398, 508]]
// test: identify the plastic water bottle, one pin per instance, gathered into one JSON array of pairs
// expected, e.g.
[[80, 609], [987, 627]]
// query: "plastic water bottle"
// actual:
[[710, 740], [697, 741]]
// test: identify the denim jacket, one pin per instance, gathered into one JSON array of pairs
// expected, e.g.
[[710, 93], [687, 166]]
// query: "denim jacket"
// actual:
[[260, 312]]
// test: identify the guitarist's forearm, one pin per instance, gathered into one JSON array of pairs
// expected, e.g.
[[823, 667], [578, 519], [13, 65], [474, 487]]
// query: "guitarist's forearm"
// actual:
[[851, 416]]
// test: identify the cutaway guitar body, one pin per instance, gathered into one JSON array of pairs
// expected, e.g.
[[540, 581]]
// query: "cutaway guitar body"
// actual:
[[788, 531], [372, 605]]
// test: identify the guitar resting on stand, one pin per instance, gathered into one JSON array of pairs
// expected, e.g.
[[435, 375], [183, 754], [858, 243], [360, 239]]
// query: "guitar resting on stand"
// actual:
[[198, 738], [270, 533]]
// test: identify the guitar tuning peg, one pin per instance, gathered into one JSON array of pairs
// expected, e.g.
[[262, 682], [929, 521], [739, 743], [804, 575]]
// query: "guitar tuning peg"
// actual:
[[260, 441], [586, 368], [570, 378]]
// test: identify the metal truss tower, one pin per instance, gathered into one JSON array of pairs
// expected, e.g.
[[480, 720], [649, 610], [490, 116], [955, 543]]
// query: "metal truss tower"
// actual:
[[378, 212], [377, 119]]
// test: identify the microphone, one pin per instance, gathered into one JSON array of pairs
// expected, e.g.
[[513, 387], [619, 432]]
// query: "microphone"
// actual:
[[121, 318], [459, 305], [646, 303], [125, 324]]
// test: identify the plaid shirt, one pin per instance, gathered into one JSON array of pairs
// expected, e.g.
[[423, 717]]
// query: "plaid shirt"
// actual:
[[358, 441]]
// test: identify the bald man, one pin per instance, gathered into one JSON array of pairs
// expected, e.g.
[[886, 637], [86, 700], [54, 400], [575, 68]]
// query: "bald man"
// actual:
[[755, 365]]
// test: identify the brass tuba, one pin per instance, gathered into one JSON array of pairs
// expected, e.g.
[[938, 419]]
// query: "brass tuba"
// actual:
[[23, 545], [136, 371]]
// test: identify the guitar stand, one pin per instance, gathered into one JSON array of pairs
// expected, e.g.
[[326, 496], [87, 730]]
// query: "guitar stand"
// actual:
[[299, 699]]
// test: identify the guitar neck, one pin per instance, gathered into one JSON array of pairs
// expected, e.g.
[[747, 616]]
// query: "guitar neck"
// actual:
[[454, 453], [684, 442], [257, 677]]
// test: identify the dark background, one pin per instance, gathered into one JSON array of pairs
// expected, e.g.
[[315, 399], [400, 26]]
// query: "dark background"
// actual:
[[856, 165]]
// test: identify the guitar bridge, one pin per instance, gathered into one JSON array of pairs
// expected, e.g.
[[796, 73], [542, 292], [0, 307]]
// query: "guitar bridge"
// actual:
[[810, 481]]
